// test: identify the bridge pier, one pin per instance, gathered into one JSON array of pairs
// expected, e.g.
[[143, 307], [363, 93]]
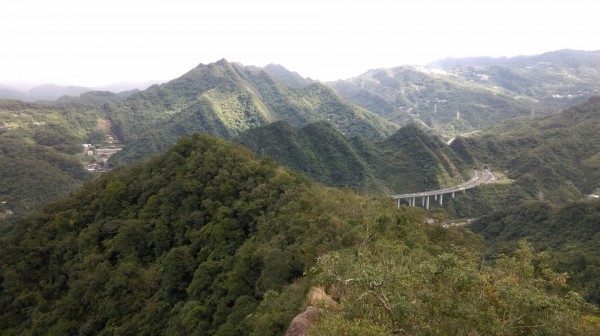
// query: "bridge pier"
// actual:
[[438, 195]]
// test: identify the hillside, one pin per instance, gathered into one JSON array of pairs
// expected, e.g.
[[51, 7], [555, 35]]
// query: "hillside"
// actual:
[[567, 232], [556, 79], [317, 150], [41, 148], [447, 104], [460, 95], [225, 99], [409, 160], [554, 158], [40, 152], [206, 239]]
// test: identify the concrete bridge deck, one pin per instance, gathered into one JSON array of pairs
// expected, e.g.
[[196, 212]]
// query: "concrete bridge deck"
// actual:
[[479, 177]]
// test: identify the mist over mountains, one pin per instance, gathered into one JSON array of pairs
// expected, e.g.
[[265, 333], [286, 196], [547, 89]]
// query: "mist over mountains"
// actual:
[[461, 95], [50, 92], [240, 196]]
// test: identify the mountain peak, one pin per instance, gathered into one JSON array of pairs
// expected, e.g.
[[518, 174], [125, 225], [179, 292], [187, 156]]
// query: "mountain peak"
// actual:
[[287, 77]]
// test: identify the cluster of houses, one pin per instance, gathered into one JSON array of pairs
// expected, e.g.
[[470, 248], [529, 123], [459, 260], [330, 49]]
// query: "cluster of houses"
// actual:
[[99, 157]]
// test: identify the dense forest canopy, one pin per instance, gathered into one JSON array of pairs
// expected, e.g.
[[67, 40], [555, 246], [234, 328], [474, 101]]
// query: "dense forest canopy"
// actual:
[[225, 99], [39, 145], [568, 232], [554, 158], [410, 160], [207, 239]]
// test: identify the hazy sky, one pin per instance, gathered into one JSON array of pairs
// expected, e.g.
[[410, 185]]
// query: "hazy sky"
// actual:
[[105, 41]]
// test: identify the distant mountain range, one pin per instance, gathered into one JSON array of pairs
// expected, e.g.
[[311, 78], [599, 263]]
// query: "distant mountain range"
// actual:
[[311, 128], [51, 92], [225, 99], [205, 236], [460, 95]]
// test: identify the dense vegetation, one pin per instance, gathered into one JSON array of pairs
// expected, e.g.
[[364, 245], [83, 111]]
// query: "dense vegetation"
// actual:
[[556, 158], [568, 233], [460, 95], [224, 99], [206, 239], [39, 148], [408, 161], [447, 104]]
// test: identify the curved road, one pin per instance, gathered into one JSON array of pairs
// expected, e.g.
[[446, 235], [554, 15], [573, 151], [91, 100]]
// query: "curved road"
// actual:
[[479, 177]]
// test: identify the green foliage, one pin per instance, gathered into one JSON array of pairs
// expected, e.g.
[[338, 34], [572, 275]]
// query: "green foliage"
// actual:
[[483, 90], [225, 99], [317, 150], [208, 240], [39, 148], [567, 232], [552, 158], [409, 160], [393, 288], [189, 242]]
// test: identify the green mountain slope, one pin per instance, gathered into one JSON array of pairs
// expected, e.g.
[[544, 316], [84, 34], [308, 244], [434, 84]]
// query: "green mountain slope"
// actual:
[[556, 79], [554, 158], [225, 99], [445, 103], [416, 161], [460, 95], [409, 160], [287, 77], [318, 150], [568, 232], [40, 149], [206, 239]]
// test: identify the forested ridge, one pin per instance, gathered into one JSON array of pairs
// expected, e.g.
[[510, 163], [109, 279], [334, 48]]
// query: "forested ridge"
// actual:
[[567, 232], [225, 99], [555, 158], [455, 96], [41, 152], [38, 152], [208, 240], [410, 160]]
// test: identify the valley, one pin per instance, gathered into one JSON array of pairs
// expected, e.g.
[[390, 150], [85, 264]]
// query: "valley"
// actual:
[[479, 177], [228, 200]]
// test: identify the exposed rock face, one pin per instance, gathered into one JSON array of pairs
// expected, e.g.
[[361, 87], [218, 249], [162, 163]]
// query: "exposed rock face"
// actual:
[[302, 322]]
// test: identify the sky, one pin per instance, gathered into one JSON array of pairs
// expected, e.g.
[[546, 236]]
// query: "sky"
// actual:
[[95, 43]]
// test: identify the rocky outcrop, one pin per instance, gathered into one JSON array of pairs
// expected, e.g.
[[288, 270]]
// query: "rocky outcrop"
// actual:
[[302, 322]]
